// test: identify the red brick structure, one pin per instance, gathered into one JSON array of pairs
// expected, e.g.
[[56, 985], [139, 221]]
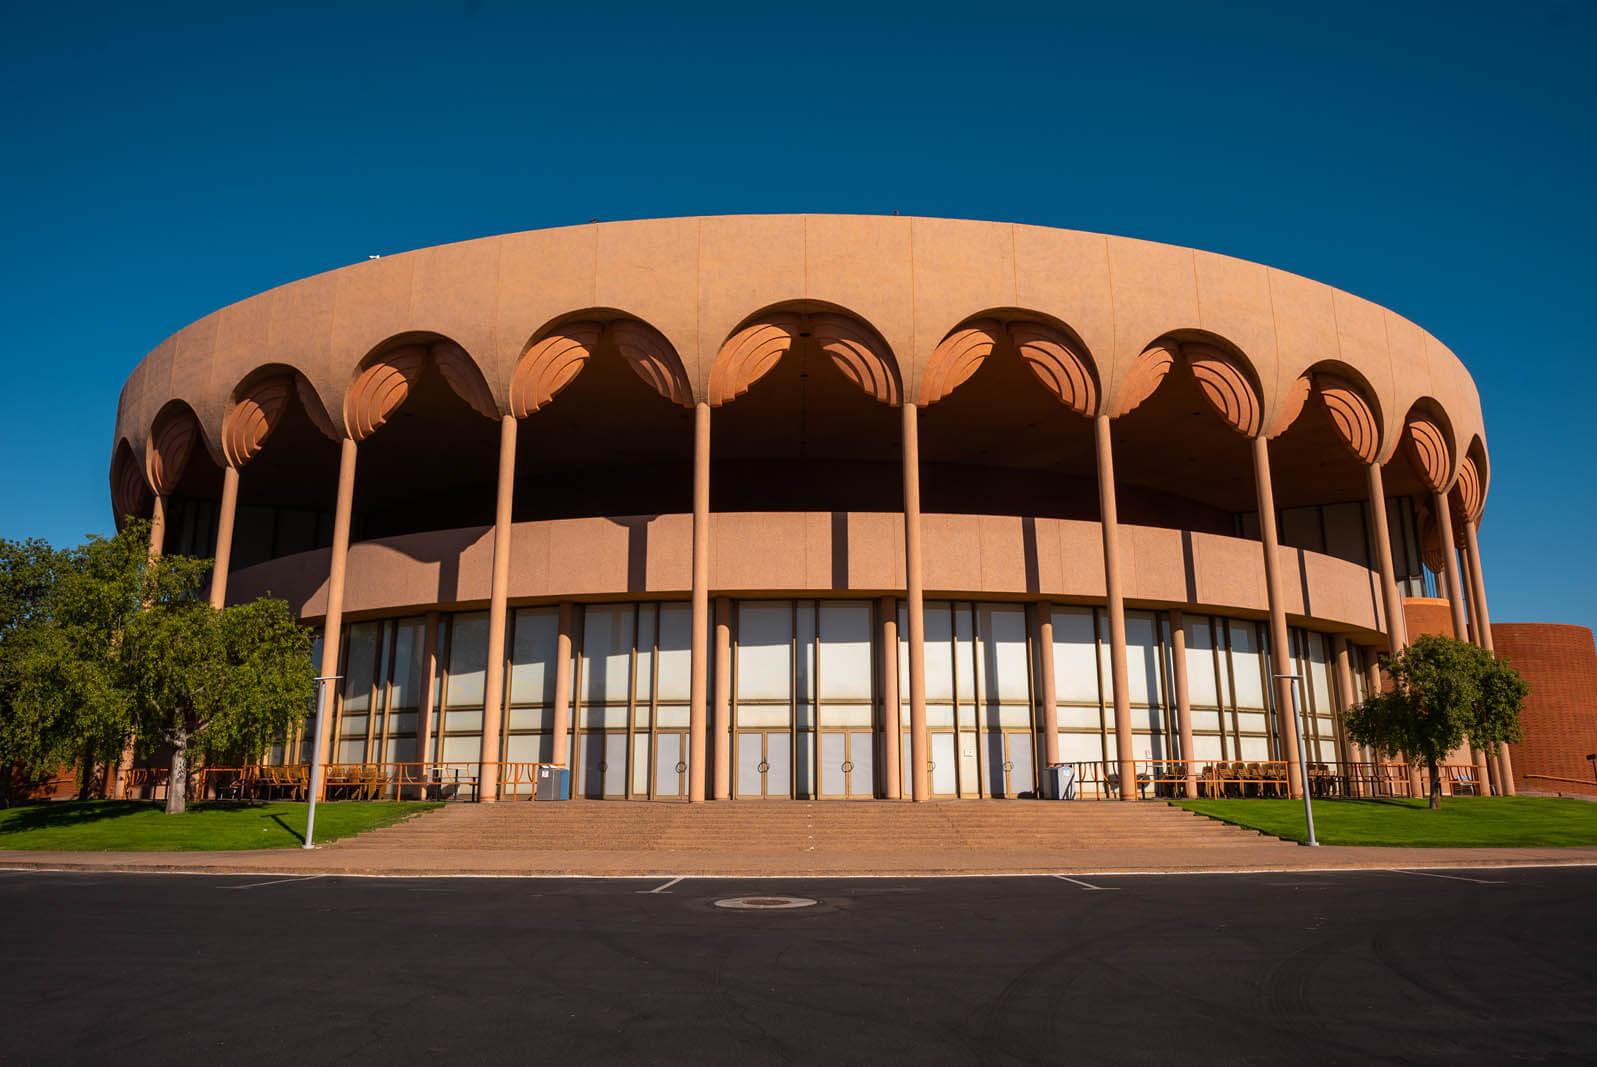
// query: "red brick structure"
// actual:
[[1560, 719]]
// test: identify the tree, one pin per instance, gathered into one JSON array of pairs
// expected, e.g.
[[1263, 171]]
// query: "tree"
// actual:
[[101, 643], [1443, 692]]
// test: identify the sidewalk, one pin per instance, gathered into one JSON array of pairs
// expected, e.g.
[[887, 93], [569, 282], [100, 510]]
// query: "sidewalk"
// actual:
[[338, 859]]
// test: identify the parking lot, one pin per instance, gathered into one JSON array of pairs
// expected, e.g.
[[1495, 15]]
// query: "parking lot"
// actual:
[[1436, 965]]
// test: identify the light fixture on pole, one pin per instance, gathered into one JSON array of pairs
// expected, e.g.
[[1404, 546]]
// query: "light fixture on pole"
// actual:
[[316, 754], [1303, 770]]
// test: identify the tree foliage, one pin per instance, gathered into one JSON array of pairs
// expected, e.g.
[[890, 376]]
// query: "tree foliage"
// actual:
[[1444, 692], [100, 643]]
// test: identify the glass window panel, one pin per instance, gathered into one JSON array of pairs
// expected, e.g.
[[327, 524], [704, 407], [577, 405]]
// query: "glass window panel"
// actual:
[[939, 650], [1319, 674], [765, 652], [804, 666], [405, 686], [751, 716], [603, 717], [1005, 673], [804, 716], [965, 655], [352, 726], [1142, 658], [846, 715], [903, 659], [940, 715], [463, 749], [643, 672], [846, 650], [352, 751], [532, 656], [462, 720], [676, 651], [542, 718], [673, 716], [1075, 656], [1206, 747], [606, 653], [528, 748], [468, 659], [1149, 745], [360, 664], [402, 722], [1252, 722], [1201, 688], [1246, 663], [1080, 715], [1012, 715], [1255, 748], [640, 765], [1080, 748]]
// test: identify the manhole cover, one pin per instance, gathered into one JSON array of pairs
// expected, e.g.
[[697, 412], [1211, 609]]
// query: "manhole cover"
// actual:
[[764, 903]]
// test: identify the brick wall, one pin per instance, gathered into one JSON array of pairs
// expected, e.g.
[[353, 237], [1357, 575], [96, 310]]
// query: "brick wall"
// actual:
[[1560, 719]]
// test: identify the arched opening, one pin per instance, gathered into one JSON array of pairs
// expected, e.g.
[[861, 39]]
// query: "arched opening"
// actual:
[[1180, 462], [182, 470], [606, 426], [805, 418], [1419, 467], [997, 439], [429, 440], [1320, 480], [288, 467], [130, 493]]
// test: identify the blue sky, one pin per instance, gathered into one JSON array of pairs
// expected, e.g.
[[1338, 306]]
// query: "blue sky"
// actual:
[[165, 160]]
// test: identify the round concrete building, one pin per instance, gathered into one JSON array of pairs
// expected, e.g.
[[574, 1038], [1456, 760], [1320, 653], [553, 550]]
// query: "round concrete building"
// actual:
[[820, 506]]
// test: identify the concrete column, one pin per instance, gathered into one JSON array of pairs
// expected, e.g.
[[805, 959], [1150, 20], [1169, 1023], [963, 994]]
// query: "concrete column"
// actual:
[[701, 601], [562, 725], [1050, 691], [1478, 582], [224, 536], [493, 693], [1470, 611], [429, 680], [892, 712], [1280, 646], [332, 638], [1396, 628], [915, 608], [1455, 594], [1178, 668], [723, 697], [1125, 752], [158, 527], [1344, 683]]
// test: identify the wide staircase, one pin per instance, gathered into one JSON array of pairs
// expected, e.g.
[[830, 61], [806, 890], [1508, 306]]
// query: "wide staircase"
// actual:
[[939, 835]]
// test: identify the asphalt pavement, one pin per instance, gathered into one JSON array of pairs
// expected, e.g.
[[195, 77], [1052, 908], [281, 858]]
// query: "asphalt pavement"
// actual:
[[1442, 966]]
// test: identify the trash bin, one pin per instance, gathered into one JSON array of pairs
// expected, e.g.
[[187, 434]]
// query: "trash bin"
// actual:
[[553, 783], [1062, 781]]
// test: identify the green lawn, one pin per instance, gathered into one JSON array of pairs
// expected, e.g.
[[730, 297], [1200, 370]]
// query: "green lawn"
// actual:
[[143, 826], [1462, 822]]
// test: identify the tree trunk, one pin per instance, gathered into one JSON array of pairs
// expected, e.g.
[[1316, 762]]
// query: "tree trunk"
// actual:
[[86, 778], [1436, 786], [177, 786]]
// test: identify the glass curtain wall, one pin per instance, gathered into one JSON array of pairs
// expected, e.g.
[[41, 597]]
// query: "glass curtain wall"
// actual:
[[803, 693], [979, 702], [380, 697]]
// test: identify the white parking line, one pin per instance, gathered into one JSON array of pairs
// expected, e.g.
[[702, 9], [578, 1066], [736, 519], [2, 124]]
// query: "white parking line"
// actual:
[[276, 881], [663, 888], [1084, 885], [1449, 877]]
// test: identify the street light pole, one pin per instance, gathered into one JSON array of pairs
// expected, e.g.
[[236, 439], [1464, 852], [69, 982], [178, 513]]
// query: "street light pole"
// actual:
[[1303, 770], [316, 754]]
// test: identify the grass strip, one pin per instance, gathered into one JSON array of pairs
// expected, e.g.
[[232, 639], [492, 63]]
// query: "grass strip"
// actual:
[[1462, 822], [143, 826]]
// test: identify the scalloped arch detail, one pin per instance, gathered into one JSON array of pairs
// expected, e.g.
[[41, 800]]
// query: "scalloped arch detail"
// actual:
[[1053, 358], [1467, 492], [1146, 373], [254, 417], [1292, 406], [172, 441], [749, 355], [314, 409], [1428, 449], [652, 358], [129, 490], [1225, 385], [1351, 416], [862, 356], [1431, 545], [463, 376], [958, 357], [551, 364], [381, 388]]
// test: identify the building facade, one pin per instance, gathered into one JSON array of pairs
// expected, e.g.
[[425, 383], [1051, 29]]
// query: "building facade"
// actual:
[[819, 506]]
